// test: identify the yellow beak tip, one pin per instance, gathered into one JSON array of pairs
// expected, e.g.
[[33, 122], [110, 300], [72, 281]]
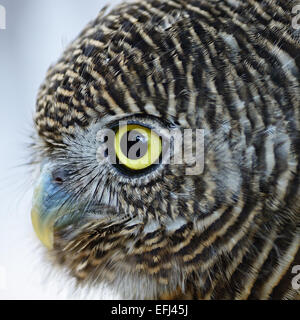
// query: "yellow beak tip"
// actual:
[[43, 230]]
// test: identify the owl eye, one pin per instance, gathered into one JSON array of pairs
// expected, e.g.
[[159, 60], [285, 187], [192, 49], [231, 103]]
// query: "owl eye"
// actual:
[[137, 147]]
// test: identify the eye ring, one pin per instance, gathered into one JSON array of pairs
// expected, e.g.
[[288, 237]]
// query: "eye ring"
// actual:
[[153, 151]]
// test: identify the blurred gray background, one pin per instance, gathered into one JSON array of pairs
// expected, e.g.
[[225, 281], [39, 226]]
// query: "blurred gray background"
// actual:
[[36, 33]]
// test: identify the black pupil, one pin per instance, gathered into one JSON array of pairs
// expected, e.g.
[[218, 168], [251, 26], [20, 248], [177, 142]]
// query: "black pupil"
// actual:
[[134, 145]]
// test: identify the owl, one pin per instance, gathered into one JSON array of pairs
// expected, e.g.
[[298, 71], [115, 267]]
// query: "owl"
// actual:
[[168, 144]]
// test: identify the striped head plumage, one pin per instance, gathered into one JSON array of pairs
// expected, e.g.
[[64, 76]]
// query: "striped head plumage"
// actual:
[[230, 68]]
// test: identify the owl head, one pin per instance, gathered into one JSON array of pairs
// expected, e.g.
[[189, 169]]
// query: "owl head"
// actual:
[[149, 159]]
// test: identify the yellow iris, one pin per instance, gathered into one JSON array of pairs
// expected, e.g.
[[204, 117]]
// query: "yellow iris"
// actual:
[[148, 136]]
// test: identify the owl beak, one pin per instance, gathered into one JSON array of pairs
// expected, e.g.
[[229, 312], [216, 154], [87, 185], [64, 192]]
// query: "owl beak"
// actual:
[[47, 208], [42, 220]]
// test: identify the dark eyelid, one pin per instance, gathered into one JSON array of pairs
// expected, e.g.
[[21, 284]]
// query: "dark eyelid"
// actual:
[[144, 120], [115, 125]]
